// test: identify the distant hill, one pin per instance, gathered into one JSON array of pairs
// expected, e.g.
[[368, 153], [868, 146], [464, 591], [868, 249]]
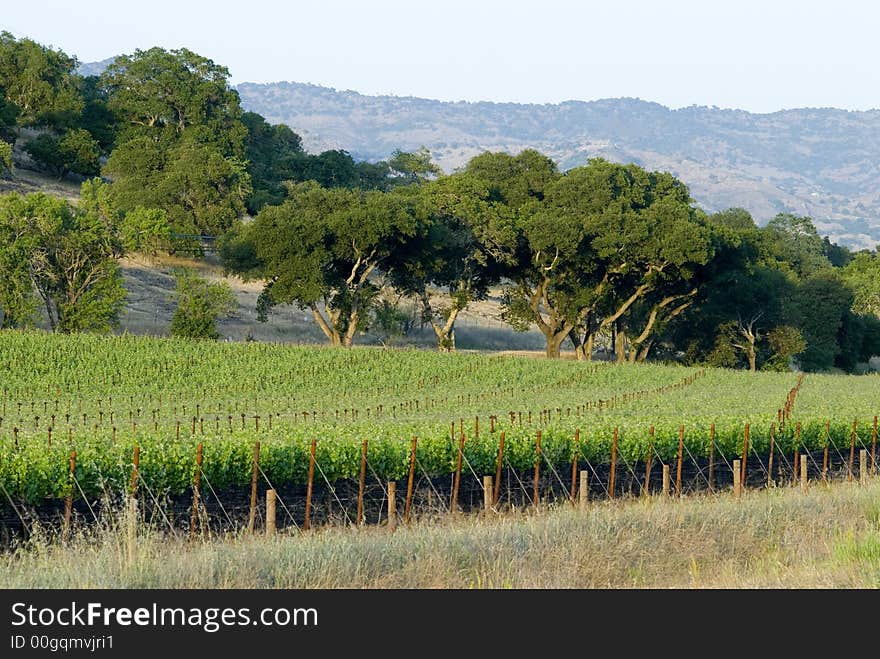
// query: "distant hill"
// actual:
[[94, 68], [822, 162]]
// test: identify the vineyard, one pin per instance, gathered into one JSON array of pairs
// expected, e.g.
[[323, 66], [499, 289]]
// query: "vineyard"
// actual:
[[196, 429]]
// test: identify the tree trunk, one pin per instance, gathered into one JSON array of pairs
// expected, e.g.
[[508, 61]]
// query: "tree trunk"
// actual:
[[555, 328], [446, 332], [328, 328], [751, 336], [47, 303], [353, 319], [641, 343], [633, 354], [554, 343], [639, 353], [620, 345], [53, 322], [576, 344], [583, 347], [445, 339]]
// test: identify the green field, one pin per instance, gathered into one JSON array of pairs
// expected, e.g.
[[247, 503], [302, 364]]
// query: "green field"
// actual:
[[101, 396]]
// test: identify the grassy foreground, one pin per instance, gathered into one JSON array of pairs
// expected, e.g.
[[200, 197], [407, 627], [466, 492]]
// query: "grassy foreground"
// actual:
[[783, 538]]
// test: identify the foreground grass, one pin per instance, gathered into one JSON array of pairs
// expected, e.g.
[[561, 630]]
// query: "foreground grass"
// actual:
[[828, 537]]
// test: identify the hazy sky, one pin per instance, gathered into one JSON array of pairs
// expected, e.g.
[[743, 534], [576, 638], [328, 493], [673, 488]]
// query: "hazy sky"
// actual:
[[761, 56]]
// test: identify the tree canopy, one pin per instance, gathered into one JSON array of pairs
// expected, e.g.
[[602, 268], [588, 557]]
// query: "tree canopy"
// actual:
[[181, 141], [319, 249], [61, 258], [452, 250], [163, 94], [38, 83], [41, 90], [594, 242], [198, 305]]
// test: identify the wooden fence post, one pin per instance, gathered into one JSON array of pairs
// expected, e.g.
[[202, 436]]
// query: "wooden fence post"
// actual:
[[135, 464], [270, 512], [133, 505], [666, 480], [456, 479], [584, 490], [307, 522], [825, 451], [68, 501], [498, 464], [712, 457], [795, 465], [574, 464], [252, 515], [131, 527], [409, 483], [488, 493], [536, 489], [680, 459], [770, 459], [361, 483], [737, 478], [852, 451], [196, 485], [804, 473], [392, 505]]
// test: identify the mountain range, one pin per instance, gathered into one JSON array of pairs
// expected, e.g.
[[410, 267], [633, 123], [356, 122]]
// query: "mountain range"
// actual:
[[820, 162]]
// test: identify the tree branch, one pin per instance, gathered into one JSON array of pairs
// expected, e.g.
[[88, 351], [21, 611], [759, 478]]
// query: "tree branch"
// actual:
[[329, 332]]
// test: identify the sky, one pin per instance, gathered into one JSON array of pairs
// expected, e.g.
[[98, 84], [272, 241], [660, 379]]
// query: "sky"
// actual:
[[760, 56]]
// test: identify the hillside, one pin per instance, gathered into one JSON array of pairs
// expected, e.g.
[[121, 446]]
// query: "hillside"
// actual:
[[149, 307], [94, 68], [149, 283], [818, 162]]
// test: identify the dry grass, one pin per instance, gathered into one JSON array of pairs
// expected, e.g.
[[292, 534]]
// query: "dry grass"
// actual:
[[827, 538], [149, 283]]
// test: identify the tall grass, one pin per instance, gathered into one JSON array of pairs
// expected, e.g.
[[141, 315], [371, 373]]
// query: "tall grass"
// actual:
[[828, 537]]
